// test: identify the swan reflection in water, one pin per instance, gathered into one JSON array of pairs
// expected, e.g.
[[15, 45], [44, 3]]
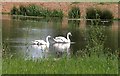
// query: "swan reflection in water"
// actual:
[[37, 52], [62, 48]]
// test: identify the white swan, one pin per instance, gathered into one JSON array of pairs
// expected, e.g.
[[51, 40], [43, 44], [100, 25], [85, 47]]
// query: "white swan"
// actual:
[[42, 42], [61, 39], [36, 52], [62, 46]]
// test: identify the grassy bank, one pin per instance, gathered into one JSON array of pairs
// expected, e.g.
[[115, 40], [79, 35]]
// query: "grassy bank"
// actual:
[[86, 65]]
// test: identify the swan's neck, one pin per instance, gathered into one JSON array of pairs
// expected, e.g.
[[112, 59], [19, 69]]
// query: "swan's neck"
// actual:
[[68, 38], [47, 42]]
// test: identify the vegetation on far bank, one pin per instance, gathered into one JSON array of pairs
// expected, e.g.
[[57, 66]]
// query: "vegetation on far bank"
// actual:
[[34, 10], [95, 13], [74, 12]]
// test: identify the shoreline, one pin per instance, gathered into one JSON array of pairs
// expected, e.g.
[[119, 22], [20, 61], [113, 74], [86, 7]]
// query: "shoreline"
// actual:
[[38, 17]]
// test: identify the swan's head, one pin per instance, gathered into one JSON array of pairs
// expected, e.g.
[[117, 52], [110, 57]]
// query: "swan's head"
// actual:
[[69, 33], [48, 36]]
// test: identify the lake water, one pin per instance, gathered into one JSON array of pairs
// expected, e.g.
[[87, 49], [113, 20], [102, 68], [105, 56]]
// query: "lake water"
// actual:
[[18, 34]]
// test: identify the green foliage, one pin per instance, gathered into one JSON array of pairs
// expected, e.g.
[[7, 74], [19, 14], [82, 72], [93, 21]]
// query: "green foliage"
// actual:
[[92, 13], [106, 14], [96, 35], [74, 12], [34, 10], [22, 10], [60, 66], [14, 11], [57, 13]]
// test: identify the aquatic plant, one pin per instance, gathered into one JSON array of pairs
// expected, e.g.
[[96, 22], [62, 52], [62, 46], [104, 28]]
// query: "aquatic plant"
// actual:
[[57, 13], [100, 17], [95, 38], [46, 13], [106, 14], [92, 13], [74, 12], [14, 11], [95, 13], [22, 10], [34, 10]]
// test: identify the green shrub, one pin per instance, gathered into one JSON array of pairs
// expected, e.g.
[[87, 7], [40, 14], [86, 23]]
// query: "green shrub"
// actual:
[[106, 14], [22, 10], [14, 11], [57, 13], [95, 39], [74, 12], [46, 13], [32, 10], [92, 13]]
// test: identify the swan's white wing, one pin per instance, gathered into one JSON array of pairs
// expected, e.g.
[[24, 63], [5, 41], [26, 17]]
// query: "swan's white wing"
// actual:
[[62, 46], [41, 42], [34, 42], [60, 39], [42, 47]]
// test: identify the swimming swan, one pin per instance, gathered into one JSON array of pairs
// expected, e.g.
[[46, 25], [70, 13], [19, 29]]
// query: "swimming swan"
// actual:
[[61, 39], [42, 42], [61, 46]]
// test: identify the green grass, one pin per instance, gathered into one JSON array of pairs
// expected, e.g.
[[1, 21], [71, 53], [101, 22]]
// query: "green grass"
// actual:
[[79, 65]]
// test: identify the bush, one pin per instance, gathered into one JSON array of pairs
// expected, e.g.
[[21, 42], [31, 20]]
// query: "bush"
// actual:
[[95, 39], [92, 13], [22, 10], [106, 14], [14, 11], [46, 13], [57, 13], [34, 10], [74, 12]]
